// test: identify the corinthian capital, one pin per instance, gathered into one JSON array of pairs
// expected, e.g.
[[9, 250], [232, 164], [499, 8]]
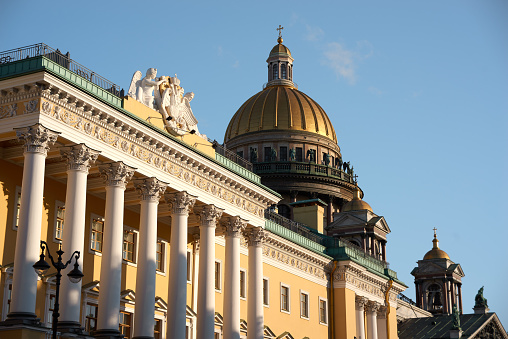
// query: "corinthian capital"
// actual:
[[373, 306], [210, 215], [37, 138], [256, 236], [361, 302], [234, 226], [79, 157], [181, 202], [116, 173], [150, 189]]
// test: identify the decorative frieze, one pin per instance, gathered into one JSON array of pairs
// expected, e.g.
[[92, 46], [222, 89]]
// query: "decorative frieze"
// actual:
[[37, 138], [181, 202], [116, 173], [79, 157], [150, 189]]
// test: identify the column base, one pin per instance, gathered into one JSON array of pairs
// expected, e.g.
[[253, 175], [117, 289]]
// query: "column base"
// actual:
[[70, 327], [21, 318], [108, 334]]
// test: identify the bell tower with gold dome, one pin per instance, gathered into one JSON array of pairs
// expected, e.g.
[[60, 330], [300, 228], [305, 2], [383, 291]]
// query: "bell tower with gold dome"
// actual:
[[438, 281], [292, 144]]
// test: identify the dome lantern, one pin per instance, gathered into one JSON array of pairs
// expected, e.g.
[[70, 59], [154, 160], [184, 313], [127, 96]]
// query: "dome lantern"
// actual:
[[280, 64]]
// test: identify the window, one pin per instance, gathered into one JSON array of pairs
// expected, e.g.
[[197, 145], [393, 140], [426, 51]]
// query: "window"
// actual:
[[51, 308], [97, 234], [299, 154], [283, 153], [217, 276], [240, 154], [129, 241], [284, 298], [6, 304], [189, 266], [434, 301], [125, 324], [91, 317], [59, 220], [243, 292], [268, 152], [283, 70], [157, 330], [17, 205], [266, 292], [323, 311], [159, 256], [304, 305], [275, 69]]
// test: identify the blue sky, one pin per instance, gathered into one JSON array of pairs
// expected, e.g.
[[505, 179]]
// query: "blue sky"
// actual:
[[417, 92]]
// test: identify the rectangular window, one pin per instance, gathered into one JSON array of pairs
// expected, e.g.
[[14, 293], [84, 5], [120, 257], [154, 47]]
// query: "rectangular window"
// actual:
[[217, 276], [283, 153], [268, 151], [323, 312], [243, 292], [304, 305], [51, 307], [157, 330], [97, 234], [284, 298], [91, 317], [299, 154], [125, 324], [129, 240], [189, 266], [59, 222], [160, 256], [266, 292]]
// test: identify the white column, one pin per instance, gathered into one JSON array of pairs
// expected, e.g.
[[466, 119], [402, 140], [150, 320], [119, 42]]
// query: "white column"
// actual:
[[116, 174], [360, 316], [372, 308], [381, 323], [37, 140], [255, 317], [150, 190], [206, 288], [79, 159], [181, 203], [233, 227]]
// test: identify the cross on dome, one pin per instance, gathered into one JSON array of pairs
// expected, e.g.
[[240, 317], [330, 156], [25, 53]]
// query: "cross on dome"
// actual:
[[435, 229], [280, 30]]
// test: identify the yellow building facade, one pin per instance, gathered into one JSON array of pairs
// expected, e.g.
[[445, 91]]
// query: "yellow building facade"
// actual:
[[177, 239]]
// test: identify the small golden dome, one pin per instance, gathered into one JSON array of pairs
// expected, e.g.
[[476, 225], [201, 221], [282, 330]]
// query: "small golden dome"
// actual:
[[435, 252], [280, 108], [357, 204], [279, 50]]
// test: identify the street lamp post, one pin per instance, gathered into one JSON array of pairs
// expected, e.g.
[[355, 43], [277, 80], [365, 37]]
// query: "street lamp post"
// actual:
[[75, 275]]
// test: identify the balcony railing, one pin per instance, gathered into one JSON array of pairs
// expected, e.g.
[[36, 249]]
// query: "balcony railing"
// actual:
[[63, 60], [406, 299], [302, 168], [294, 226], [231, 155]]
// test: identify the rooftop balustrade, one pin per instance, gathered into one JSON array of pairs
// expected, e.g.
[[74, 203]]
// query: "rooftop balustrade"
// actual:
[[295, 167]]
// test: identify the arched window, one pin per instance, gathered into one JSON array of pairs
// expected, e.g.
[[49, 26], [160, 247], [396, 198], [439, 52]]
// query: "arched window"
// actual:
[[434, 295], [275, 71], [283, 71]]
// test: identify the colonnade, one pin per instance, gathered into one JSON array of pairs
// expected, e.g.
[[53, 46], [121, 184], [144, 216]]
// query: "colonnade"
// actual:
[[370, 319], [79, 158]]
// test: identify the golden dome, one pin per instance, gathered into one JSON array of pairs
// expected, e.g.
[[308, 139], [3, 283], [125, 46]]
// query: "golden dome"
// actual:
[[279, 50], [280, 108], [435, 252], [357, 204]]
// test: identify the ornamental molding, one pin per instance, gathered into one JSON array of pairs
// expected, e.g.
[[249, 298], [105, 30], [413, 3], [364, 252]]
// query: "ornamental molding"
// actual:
[[181, 202], [150, 189], [37, 138], [95, 122], [79, 157]]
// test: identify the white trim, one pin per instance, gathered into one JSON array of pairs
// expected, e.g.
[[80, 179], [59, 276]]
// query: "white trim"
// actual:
[[288, 311], [15, 209], [164, 257], [326, 311], [267, 279], [136, 240], [100, 218], [58, 204], [220, 276], [308, 304], [244, 271], [190, 267]]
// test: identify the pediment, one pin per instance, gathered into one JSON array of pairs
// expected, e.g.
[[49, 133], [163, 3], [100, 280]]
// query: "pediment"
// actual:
[[243, 325], [492, 328], [128, 296], [457, 269], [346, 219], [285, 335], [380, 222], [160, 304], [268, 333], [91, 287], [190, 313], [427, 268], [219, 320]]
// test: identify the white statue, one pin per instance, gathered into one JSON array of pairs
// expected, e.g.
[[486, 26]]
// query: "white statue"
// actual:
[[168, 99], [142, 89]]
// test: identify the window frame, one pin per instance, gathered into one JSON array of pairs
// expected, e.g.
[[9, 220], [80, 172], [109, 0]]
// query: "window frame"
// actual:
[[135, 233], [97, 217], [218, 277], [17, 205], [58, 204], [243, 284], [267, 295], [288, 301], [321, 299], [307, 308], [190, 266], [130, 326], [164, 244], [96, 305]]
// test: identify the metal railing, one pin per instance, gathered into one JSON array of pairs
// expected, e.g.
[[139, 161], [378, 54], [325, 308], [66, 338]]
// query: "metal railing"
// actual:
[[231, 155], [302, 168], [406, 299], [294, 226], [63, 60]]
